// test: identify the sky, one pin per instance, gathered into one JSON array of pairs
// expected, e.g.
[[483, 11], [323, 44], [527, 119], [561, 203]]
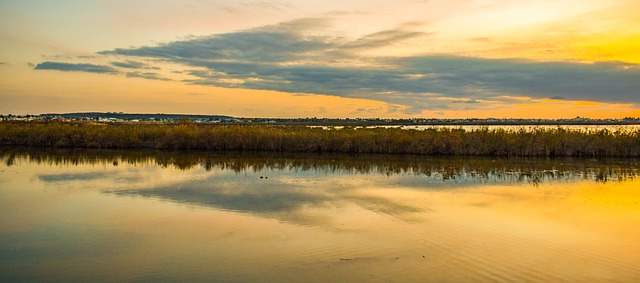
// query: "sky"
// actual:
[[334, 59]]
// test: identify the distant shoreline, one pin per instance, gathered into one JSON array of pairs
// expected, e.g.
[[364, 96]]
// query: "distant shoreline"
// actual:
[[186, 135], [119, 117]]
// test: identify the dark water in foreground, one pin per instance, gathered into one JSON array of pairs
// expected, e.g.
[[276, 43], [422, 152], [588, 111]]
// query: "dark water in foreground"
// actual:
[[149, 216]]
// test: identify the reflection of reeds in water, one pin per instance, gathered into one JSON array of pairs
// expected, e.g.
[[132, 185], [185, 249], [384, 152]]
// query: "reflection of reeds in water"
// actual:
[[547, 142], [448, 169]]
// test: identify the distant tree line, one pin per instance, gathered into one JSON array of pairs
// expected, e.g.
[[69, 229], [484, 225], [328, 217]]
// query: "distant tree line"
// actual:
[[280, 138]]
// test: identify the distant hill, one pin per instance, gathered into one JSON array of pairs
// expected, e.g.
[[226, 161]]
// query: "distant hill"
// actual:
[[134, 116]]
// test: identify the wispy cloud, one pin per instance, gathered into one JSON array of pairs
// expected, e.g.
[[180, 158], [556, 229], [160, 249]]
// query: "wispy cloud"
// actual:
[[146, 75], [382, 38], [278, 43], [128, 64], [288, 42], [71, 67]]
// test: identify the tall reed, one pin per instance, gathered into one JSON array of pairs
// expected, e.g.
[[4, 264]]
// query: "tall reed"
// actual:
[[280, 138]]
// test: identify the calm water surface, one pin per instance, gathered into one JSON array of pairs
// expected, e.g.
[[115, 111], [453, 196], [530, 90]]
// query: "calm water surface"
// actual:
[[508, 128], [153, 216]]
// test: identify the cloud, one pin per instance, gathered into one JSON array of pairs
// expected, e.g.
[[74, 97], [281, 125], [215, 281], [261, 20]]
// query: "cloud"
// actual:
[[287, 42], [469, 101], [246, 46], [382, 38], [418, 82], [146, 75], [71, 67], [297, 26], [606, 82], [295, 57], [133, 65]]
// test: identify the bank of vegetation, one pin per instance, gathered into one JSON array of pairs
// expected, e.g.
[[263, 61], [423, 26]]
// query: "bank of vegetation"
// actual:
[[551, 142]]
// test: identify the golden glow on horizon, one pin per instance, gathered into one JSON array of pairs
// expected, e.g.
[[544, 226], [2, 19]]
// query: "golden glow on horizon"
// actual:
[[603, 32], [152, 96], [614, 48]]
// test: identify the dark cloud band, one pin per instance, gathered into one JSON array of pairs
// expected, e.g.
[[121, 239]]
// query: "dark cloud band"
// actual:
[[146, 75], [133, 65], [70, 67]]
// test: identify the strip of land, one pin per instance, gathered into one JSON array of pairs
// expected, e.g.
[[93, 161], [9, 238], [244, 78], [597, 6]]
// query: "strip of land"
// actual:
[[120, 117], [550, 142]]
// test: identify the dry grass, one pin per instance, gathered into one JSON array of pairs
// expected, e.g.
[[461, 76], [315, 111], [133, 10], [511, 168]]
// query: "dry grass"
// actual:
[[279, 138]]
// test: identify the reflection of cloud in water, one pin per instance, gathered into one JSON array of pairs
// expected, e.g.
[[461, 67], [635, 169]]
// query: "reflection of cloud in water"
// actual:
[[284, 201], [300, 184], [68, 177]]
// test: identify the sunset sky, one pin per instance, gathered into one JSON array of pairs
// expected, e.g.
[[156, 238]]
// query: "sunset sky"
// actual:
[[311, 58]]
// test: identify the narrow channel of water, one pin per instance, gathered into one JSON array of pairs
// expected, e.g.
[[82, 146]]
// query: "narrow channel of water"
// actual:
[[508, 128]]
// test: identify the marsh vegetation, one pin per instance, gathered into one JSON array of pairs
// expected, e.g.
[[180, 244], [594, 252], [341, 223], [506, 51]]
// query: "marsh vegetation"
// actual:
[[549, 142]]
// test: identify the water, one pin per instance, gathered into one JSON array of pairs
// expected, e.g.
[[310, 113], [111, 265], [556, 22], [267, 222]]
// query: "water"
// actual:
[[531, 128], [509, 128], [82, 215]]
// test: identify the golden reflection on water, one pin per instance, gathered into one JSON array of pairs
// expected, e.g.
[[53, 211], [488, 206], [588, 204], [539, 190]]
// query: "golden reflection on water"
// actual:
[[93, 220]]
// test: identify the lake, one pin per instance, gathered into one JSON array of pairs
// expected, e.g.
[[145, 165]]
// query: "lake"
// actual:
[[102, 215]]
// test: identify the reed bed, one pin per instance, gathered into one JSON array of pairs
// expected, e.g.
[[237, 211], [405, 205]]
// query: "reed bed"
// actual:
[[553, 142]]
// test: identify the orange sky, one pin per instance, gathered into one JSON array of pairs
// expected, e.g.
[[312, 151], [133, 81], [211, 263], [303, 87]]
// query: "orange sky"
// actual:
[[388, 59]]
